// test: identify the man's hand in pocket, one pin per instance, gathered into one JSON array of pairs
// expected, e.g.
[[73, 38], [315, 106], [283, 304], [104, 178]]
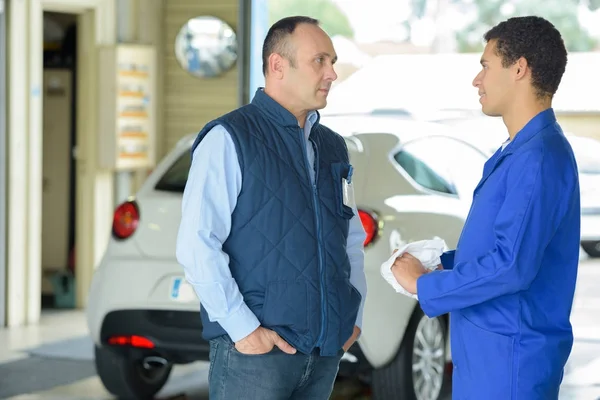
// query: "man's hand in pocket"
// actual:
[[262, 341], [352, 339]]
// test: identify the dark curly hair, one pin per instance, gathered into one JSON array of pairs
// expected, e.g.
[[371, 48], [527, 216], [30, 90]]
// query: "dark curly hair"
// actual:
[[539, 42]]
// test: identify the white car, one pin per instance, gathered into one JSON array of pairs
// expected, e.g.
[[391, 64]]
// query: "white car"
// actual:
[[413, 181], [587, 154], [488, 133]]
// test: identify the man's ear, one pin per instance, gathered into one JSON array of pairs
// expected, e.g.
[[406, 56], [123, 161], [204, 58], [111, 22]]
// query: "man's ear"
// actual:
[[276, 65], [521, 68]]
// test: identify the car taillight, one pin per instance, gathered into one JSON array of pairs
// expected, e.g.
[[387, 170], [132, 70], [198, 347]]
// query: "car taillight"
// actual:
[[371, 225], [133, 341], [125, 220]]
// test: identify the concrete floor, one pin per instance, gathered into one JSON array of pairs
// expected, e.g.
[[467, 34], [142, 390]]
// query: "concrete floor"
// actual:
[[582, 377]]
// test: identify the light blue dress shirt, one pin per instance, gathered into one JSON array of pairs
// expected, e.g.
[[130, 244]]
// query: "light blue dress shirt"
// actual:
[[210, 196]]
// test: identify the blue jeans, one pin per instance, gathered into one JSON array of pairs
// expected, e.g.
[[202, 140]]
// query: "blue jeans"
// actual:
[[272, 376]]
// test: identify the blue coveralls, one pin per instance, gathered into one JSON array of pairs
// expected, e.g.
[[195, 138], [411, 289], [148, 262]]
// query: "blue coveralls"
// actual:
[[509, 284]]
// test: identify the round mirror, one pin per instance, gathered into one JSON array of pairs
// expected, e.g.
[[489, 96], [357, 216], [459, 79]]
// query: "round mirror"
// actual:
[[206, 47]]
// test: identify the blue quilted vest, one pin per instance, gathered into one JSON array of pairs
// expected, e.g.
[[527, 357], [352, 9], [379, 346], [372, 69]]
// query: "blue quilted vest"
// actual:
[[287, 246]]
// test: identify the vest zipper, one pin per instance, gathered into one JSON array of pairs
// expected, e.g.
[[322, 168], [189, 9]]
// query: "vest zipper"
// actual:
[[318, 226], [320, 250]]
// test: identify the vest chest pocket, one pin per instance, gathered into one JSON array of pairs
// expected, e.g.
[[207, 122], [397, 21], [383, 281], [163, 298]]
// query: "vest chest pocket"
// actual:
[[343, 189]]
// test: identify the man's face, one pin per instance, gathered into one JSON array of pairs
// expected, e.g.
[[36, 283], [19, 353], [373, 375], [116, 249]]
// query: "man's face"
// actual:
[[308, 82], [495, 83]]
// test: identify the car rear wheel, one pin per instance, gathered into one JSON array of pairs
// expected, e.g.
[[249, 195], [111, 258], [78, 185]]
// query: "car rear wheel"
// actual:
[[418, 370], [592, 248], [129, 378]]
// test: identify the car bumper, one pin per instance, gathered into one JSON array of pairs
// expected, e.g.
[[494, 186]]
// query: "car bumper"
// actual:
[[175, 335], [137, 285]]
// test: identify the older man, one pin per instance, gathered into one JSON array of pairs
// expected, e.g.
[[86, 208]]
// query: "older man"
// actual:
[[266, 238]]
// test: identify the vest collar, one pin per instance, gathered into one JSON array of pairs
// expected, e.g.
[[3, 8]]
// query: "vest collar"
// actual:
[[275, 111]]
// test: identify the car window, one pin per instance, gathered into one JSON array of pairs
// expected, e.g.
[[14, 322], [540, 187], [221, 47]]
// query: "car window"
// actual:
[[422, 173], [443, 164], [175, 178]]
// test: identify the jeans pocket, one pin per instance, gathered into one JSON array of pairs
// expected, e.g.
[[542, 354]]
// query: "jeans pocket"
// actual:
[[229, 346], [213, 354]]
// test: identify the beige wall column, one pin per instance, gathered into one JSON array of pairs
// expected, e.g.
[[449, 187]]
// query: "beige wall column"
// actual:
[[141, 22], [189, 102], [18, 128], [24, 162], [94, 202]]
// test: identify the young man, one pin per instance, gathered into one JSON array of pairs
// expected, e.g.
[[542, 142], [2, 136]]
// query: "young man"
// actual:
[[266, 239], [509, 284]]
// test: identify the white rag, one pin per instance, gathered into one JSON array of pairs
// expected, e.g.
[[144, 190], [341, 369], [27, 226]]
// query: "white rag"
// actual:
[[427, 251]]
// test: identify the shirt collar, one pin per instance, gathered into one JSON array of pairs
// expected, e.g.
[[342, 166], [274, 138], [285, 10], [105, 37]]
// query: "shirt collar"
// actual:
[[311, 118]]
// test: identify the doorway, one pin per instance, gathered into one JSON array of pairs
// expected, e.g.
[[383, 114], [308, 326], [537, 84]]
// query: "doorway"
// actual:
[[58, 161], [95, 26]]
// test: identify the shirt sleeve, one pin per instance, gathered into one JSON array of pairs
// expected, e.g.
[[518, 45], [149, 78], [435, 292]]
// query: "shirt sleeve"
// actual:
[[523, 227], [356, 255], [210, 196]]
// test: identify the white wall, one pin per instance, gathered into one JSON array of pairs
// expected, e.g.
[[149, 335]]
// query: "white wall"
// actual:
[[185, 104]]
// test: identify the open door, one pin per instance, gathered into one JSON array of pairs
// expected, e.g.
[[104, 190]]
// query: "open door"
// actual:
[[58, 164]]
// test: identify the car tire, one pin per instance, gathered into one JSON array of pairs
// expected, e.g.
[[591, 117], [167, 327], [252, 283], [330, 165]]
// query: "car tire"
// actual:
[[396, 380], [129, 378], [592, 248]]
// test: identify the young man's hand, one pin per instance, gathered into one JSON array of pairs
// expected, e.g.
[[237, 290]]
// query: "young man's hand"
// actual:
[[407, 269], [262, 341]]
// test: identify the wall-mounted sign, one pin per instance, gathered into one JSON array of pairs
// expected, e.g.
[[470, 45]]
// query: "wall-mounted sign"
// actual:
[[127, 107]]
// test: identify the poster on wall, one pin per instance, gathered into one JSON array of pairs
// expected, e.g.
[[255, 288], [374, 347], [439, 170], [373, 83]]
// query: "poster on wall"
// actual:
[[129, 107]]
